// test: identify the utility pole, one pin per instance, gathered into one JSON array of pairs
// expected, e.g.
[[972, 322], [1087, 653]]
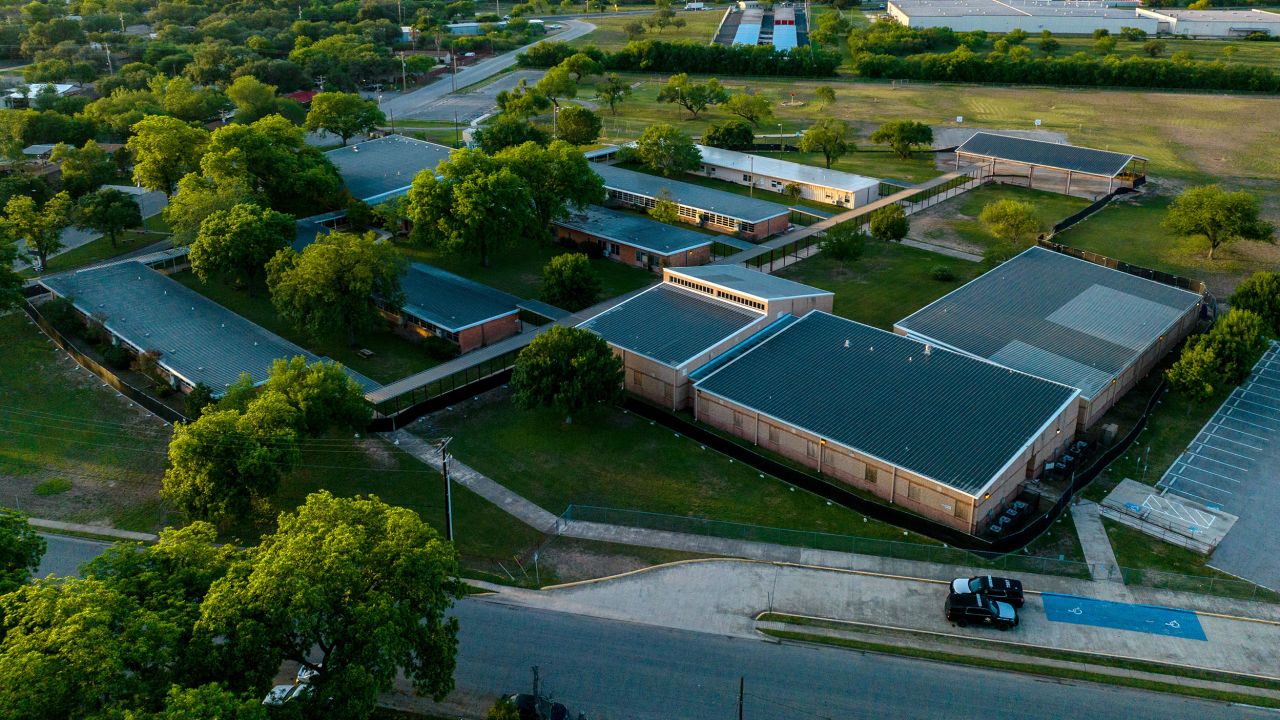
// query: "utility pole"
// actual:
[[456, 139], [400, 12], [454, 75], [742, 682], [121, 23], [107, 47], [403, 83], [448, 504]]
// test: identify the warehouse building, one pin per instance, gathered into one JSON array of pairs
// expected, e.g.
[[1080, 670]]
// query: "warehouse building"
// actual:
[[466, 313], [1055, 167], [702, 206], [947, 436], [773, 174], [378, 170], [633, 239], [1213, 23], [693, 317], [198, 340], [1062, 319], [1060, 17]]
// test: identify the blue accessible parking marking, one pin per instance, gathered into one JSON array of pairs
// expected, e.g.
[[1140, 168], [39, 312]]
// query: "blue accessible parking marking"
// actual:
[[1171, 622]]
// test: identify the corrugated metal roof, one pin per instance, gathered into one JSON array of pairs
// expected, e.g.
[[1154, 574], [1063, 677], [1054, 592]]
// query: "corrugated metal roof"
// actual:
[[449, 301], [1046, 154], [946, 416], [785, 169], [1081, 324], [671, 325], [749, 282], [199, 340], [635, 230], [735, 206], [377, 170]]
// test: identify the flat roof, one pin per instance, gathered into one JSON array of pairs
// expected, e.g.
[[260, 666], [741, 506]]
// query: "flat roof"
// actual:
[[635, 230], [450, 301], [198, 339], [951, 418], [671, 326], [1059, 156], [1012, 8], [739, 207], [1251, 15], [749, 282], [1054, 316], [377, 170], [785, 169]]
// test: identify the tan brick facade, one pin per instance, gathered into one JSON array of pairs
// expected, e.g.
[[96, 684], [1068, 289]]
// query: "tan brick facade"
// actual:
[[632, 255]]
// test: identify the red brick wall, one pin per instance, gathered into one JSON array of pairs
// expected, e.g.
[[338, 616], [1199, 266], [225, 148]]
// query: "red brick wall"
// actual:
[[489, 333]]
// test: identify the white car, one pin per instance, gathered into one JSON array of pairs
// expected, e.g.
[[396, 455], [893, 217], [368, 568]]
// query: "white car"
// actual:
[[282, 694]]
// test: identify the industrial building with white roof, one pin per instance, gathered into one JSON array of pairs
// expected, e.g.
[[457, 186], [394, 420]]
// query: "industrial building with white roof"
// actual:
[[833, 187]]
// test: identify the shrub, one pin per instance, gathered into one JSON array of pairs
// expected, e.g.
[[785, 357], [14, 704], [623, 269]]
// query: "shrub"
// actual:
[[437, 348], [889, 223], [845, 243], [62, 315], [115, 356], [52, 486], [942, 273]]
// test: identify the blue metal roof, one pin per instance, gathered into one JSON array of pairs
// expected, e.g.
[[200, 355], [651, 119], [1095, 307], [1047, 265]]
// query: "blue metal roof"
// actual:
[[450, 301], [749, 282], [636, 230], [198, 339], [739, 207], [670, 325], [1047, 154], [943, 415], [377, 170]]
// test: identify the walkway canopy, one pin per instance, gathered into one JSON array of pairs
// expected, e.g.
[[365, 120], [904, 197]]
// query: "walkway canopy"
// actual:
[[1008, 155]]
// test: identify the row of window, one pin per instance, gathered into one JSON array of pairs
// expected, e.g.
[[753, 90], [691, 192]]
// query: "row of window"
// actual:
[[432, 328], [689, 214], [740, 300], [692, 285]]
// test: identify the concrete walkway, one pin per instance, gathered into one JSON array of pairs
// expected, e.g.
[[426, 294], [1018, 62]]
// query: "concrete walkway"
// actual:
[[1095, 543], [918, 570], [57, 525], [942, 250]]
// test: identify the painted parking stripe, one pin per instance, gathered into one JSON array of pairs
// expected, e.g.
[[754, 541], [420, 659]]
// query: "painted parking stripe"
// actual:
[[1206, 441], [1152, 619], [1200, 455], [1217, 425], [1213, 434]]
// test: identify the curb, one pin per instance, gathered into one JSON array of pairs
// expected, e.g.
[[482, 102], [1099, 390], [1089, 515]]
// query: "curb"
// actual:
[[56, 525], [1012, 643]]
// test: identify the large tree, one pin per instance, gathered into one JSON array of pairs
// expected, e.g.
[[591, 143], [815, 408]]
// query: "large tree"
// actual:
[[1221, 217], [1012, 221], [569, 283], [612, 92], [508, 131], [577, 125], [39, 227], [476, 205], [559, 178], [754, 108], [324, 394], [556, 85], [344, 115], [692, 96], [328, 288], [225, 464], [109, 212], [253, 98], [197, 198], [667, 150], [568, 370], [580, 64], [903, 136], [889, 223], [21, 548], [10, 282], [272, 158], [164, 149], [239, 242], [1260, 294], [354, 588], [730, 135], [829, 137], [83, 170]]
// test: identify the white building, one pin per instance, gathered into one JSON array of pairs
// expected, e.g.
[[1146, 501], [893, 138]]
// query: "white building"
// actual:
[[833, 187], [1213, 23], [1060, 17]]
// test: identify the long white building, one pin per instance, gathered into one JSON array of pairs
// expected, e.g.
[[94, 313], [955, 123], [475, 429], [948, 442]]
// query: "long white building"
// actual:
[[1213, 23], [1060, 17], [833, 187]]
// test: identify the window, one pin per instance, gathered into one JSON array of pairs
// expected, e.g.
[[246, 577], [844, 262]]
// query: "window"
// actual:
[[913, 491], [639, 257], [746, 178], [869, 474]]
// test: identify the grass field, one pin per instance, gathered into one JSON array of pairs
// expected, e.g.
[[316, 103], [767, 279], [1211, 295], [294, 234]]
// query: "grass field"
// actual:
[[1242, 51], [699, 27], [60, 425], [518, 270], [955, 223], [393, 357], [617, 460], [888, 283]]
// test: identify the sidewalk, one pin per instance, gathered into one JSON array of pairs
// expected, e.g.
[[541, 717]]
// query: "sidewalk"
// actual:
[[542, 520], [1095, 543]]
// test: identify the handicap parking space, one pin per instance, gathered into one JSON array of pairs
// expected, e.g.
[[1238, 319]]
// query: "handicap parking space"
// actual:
[[1151, 619]]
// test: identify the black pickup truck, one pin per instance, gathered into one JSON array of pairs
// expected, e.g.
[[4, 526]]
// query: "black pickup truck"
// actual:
[[997, 588]]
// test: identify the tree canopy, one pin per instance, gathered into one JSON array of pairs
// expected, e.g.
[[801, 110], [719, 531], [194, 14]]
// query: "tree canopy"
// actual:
[[569, 283], [829, 137], [754, 108], [667, 150], [39, 227], [107, 211], [1260, 294], [164, 149], [568, 370], [577, 125], [1221, 217], [21, 548], [239, 242], [730, 135], [344, 115], [692, 96], [904, 136]]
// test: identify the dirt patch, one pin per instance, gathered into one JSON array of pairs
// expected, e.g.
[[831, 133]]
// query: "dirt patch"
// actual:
[[378, 454], [937, 230]]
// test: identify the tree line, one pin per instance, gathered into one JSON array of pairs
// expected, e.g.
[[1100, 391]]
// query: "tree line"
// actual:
[[661, 56]]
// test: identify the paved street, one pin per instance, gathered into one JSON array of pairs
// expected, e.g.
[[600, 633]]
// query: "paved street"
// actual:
[[66, 554], [612, 670], [418, 104]]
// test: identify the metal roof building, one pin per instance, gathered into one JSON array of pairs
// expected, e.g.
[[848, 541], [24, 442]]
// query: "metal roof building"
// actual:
[[698, 205], [450, 301], [199, 340], [1006, 154], [947, 435], [770, 173], [635, 230], [1061, 318], [751, 283], [1214, 23], [1073, 17], [378, 170]]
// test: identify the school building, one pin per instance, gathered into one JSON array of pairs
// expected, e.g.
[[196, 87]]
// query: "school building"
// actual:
[[833, 187], [633, 239], [466, 313]]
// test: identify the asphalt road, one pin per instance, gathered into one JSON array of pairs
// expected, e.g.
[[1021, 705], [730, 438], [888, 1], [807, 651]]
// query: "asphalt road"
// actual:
[[611, 670], [419, 102], [66, 554]]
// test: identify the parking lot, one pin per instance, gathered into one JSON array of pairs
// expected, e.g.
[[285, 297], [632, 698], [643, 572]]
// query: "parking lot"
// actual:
[[1232, 464]]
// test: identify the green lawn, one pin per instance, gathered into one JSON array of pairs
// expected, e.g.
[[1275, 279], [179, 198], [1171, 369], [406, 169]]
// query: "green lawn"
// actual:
[[608, 35], [736, 189], [1149, 561], [956, 220], [875, 161], [1243, 51], [59, 424], [518, 270], [101, 249], [617, 460], [394, 357], [888, 283]]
